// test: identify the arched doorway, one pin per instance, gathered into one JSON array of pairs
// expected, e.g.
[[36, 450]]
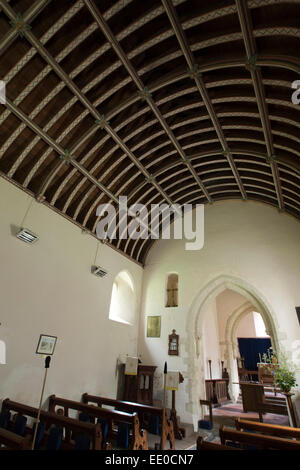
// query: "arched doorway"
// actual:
[[195, 319]]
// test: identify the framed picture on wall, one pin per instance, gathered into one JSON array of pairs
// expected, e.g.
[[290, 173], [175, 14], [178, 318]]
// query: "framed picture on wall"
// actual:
[[46, 345], [153, 326]]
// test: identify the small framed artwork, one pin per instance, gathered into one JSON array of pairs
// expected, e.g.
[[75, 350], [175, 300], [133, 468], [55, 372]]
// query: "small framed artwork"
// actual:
[[153, 327], [46, 345]]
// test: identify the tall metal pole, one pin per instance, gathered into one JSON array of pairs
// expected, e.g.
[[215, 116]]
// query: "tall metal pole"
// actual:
[[47, 365]]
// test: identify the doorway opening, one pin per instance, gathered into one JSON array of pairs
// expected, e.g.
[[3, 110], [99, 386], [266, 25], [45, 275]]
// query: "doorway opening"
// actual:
[[213, 322]]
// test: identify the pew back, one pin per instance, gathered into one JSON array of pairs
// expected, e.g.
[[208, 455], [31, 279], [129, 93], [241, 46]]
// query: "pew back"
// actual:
[[204, 445], [69, 424], [254, 399], [269, 429], [259, 441], [12, 441], [138, 441], [166, 426]]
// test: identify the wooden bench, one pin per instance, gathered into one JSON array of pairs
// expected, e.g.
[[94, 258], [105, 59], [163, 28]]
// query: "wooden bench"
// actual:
[[166, 426], [12, 441], [254, 399], [269, 429], [138, 440], [70, 425], [204, 445], [259, 441]]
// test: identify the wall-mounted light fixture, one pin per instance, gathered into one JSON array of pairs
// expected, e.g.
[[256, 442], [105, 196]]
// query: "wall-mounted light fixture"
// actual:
[[27, 236]]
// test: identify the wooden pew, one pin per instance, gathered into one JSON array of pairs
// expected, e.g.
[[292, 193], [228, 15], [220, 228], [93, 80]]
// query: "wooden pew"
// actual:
[[254, 399], [166, 426], [260, 441], [269, 429], [204, 445], [12, 441], [138, 440], [69, 424]]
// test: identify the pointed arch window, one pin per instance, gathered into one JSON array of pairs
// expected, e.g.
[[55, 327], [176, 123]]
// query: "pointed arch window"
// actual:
[[123, 302]]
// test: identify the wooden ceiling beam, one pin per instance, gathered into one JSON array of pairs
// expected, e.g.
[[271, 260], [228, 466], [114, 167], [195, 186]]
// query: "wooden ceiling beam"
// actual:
[[100, 119], [57, 148], [29, 16], [246, 27], [142, 90], [197, 76], [81, 140], [67, 157]]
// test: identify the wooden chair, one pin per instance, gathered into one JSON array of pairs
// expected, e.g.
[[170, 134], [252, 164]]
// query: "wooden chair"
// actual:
[[69, 425], [166, 426], [256, 441], [137, 441], [204, 445], [269, 429], [254, 399]]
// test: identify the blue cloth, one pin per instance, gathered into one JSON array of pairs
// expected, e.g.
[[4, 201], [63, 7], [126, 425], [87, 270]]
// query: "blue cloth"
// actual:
[[250, 349], [39, 435], [104, 428], [20, 425], [55, 439], [84, 417], [123, 435], [153, 427], [82, 442], [203, 424], [4, 419]]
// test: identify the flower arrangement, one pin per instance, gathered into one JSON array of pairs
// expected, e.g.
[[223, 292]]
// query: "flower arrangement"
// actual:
[[285, 379], [281, 368]]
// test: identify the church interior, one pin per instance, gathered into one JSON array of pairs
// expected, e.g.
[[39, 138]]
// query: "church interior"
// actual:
[[139, 340]]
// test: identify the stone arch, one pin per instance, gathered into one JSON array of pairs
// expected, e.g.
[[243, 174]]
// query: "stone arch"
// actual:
[[195, 317]]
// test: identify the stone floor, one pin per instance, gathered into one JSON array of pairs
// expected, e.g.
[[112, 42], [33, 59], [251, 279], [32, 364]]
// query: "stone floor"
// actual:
[[183, 444], [223, 415]]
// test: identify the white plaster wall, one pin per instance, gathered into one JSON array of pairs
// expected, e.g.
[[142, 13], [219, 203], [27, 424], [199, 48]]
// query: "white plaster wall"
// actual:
[[227, 301], [211, 346], [249, 241], [246, 327], [48, 288]]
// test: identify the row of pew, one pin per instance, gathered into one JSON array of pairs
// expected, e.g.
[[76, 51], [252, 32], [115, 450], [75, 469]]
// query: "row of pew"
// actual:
[[252, 435], [100, 423], [95, 423]]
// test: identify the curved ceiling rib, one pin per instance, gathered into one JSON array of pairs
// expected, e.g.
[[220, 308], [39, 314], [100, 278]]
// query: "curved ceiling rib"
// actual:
[[172, 101]]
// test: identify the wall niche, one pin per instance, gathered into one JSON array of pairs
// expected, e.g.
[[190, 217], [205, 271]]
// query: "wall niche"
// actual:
[[171, 297]]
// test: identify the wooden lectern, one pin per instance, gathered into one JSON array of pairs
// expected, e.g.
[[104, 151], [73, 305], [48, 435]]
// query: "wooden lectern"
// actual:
[[139, 388]]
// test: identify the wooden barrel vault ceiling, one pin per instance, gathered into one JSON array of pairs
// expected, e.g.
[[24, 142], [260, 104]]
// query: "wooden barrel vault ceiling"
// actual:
[[177, 101]]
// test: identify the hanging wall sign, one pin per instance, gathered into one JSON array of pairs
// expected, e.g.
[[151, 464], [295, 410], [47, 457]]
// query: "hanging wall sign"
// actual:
[[46, 345], [131, 366], [172, 382]]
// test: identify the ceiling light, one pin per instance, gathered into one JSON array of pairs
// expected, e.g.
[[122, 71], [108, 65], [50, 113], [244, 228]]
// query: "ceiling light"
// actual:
[[27, 236], [97, 271]]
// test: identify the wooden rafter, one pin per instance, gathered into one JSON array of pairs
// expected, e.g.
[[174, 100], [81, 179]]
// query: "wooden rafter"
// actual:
[[138, 156], [142, 90], [197, 77], [251, 51]]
